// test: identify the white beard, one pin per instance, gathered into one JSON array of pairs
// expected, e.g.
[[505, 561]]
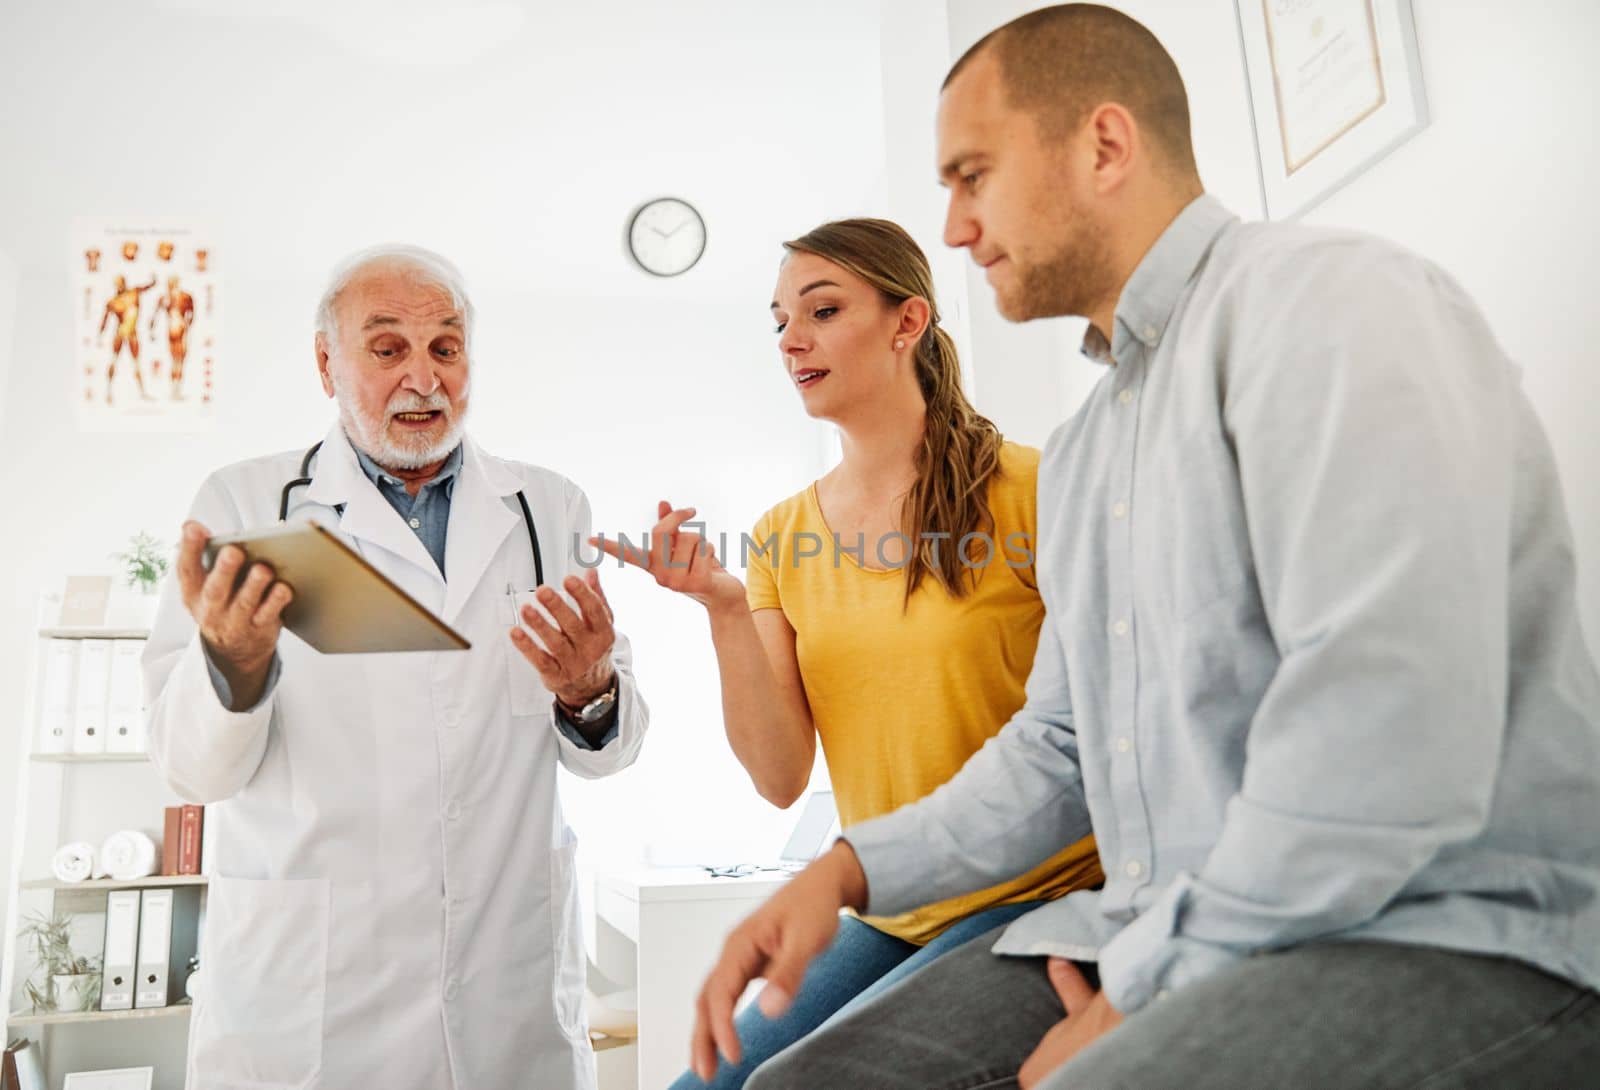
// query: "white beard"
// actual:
[[372, 436]]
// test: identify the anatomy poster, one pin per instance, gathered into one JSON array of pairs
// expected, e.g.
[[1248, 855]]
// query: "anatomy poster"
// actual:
[[147, 309]]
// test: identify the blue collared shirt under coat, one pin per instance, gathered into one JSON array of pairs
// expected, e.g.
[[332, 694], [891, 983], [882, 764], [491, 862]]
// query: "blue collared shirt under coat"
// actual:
[[1312, 666], [428, 512]]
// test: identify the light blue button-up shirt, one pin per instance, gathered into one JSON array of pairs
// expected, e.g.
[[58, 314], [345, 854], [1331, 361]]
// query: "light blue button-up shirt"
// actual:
[[428, 512], [1311, 667]]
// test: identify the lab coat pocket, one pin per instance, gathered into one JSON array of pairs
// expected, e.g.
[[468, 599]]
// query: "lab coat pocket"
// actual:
[[259, 1021], [566, 941]]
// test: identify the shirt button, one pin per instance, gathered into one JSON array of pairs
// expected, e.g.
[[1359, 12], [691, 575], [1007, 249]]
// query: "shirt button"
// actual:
[[1119, 510], [1124, 744], [450, 989], [452, 719], [1126, 397], [1133, 868], [452, 810], [1120, 628], [416, 524], [1150, 332]]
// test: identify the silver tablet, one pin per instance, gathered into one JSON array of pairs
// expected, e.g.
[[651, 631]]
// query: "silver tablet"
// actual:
[[342, 605]]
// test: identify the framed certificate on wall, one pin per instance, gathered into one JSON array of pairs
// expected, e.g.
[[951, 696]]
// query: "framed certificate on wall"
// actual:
[[1335, 85]]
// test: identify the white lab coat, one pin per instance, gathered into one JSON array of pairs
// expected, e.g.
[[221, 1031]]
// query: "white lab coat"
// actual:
[[393, 900]]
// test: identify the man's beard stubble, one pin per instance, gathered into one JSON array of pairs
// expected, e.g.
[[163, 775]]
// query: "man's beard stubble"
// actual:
[[1069, 283]]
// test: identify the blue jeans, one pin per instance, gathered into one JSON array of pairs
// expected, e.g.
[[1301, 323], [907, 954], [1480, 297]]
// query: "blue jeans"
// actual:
[[861, 963]]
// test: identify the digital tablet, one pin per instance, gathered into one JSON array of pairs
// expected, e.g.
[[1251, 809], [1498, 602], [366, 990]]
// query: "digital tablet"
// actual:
[[342, 605]]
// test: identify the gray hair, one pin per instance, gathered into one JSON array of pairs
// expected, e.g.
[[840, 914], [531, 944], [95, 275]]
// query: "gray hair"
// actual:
[[430, 268]]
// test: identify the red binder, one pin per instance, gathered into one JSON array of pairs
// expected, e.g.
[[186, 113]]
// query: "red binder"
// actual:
[[191, 824]]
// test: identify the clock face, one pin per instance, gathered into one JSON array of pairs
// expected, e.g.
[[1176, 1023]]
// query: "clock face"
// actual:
[[667, 236]]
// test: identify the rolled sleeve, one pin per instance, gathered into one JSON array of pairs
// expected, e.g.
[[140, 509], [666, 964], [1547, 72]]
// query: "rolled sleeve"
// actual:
[[575, 735]]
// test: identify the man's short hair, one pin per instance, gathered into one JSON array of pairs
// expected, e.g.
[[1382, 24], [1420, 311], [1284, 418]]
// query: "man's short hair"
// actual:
[[427, 266], [1060, 62]]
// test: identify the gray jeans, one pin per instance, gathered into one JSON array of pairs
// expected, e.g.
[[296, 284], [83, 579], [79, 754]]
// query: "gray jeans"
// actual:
[[1345, 1016]]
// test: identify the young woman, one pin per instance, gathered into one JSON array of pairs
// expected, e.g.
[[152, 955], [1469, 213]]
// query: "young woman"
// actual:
[[893, 612]]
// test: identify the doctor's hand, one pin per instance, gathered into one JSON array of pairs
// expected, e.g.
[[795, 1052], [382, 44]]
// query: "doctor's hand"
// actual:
[[575, 661], [681, 560], [776, 942], [239, 624]]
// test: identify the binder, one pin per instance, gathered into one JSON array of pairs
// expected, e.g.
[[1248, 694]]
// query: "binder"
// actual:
[[94, 682], [170, 835], [125, 718], [191, 831], [57, 690], [121, 950], [169, 929], [23, 1068]]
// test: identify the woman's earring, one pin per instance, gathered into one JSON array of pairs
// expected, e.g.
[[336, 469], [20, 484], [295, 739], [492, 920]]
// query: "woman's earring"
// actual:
[[899, 344]]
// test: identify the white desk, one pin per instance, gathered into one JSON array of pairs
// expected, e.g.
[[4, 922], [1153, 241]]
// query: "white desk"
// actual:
[[659, 930]]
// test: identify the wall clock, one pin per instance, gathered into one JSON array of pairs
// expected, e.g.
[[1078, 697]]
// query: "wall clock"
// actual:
[[666, 236]]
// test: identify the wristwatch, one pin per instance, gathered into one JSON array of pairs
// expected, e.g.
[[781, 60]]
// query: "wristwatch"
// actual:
[[595, 710]]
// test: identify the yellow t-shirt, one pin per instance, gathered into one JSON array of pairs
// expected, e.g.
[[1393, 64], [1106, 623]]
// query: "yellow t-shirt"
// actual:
[[902, 697]]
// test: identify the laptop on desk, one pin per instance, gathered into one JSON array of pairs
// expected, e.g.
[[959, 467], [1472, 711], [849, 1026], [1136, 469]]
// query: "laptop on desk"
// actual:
[[815, 829]]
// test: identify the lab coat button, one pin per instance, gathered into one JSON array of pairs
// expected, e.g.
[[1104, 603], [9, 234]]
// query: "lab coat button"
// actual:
[[450, 990], [452, 810]]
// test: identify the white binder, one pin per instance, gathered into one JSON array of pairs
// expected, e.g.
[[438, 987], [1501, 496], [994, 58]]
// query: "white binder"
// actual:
[[169, 922], [155, 942], [57, 690], [121, 950], [125, 721], [94, 684]]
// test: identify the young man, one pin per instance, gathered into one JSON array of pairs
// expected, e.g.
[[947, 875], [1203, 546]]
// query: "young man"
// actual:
[[1311, 668]]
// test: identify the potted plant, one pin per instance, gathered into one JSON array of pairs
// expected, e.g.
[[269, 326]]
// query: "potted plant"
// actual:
[[71, 982], [144, 564]]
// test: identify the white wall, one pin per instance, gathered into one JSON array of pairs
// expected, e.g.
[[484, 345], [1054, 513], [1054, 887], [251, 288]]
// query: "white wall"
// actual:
[[1496, 189], [8, 311], [300, 131]]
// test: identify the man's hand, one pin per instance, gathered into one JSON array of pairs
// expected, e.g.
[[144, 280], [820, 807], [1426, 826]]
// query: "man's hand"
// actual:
[[239, 626], [681, 560], [1089, 1014], [777, 942], [575, 662]]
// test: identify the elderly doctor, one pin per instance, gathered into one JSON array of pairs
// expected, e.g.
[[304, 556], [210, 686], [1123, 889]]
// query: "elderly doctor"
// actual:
[[394, 901]]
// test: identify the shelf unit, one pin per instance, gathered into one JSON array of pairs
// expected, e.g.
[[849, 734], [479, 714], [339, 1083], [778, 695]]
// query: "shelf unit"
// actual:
[[68, 796], [83, 632], [75, 1018], [87, 758], [155, 881]]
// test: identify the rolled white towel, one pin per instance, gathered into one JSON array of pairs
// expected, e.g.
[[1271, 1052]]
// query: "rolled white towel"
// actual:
[[73, 862], [128, 855]]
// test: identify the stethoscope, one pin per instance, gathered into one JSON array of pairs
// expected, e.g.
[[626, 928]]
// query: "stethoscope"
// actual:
[[305, 479]]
